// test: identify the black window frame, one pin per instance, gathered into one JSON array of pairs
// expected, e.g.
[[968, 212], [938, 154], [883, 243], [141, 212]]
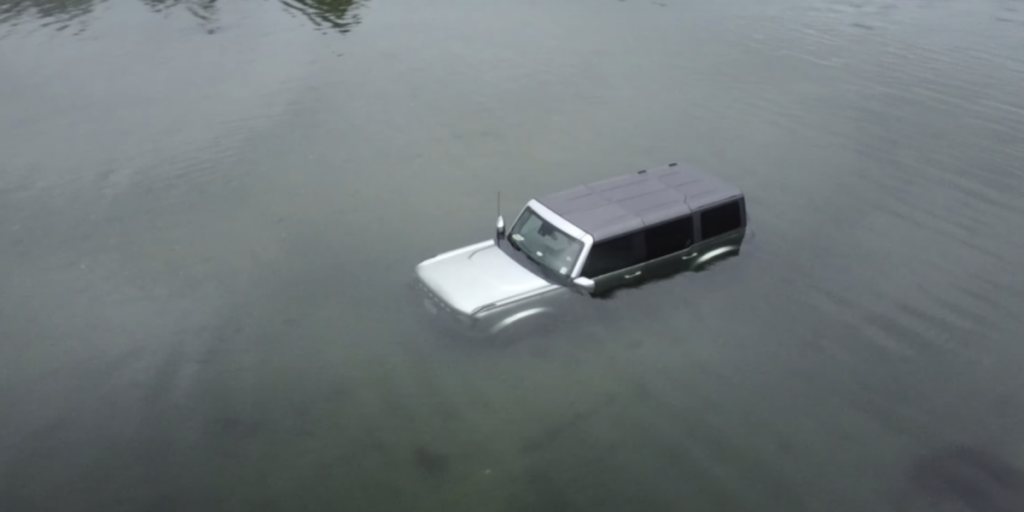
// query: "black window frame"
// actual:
[[740, 204], [688, 238]]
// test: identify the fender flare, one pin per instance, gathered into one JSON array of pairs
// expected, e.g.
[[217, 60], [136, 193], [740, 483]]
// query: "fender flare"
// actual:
[[519, 317]]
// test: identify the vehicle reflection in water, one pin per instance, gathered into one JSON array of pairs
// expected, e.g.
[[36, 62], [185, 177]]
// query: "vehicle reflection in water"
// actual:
[[326, 15], [205, 10], [55, 14]]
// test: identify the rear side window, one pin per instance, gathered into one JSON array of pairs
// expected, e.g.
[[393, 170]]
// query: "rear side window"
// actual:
[[721, 219], [670, 237], [614, 255]]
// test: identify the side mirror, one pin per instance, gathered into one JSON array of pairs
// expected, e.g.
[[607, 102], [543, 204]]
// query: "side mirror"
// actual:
[[584, 283], [500, 231]]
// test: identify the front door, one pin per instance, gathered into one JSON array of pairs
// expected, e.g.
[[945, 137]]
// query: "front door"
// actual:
[[616, 263]]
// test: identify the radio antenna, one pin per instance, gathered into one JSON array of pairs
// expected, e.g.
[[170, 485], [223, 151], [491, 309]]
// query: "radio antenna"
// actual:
[[500, 231]]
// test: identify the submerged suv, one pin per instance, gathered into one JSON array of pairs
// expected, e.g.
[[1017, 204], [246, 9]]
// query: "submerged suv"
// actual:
[[587, 241]]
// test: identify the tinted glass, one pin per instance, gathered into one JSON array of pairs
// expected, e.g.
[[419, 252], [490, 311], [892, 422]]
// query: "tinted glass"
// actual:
[[670, 237], [721, 219], [615, 254]]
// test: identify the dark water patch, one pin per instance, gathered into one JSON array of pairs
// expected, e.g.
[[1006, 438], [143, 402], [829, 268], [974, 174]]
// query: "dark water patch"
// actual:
[[235, 428], [968, 477], [430, 462], [551, 435]]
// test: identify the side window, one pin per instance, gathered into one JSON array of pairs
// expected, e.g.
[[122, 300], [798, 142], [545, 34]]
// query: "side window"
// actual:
[[614, 255], [721, 219], [670, 237]]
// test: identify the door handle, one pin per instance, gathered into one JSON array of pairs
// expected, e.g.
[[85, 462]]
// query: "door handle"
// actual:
[[634, 274], [689, 256]]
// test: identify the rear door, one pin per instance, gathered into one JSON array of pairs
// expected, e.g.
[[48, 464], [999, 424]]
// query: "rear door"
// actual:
[[616, 262], [669, 247], [720, 231]]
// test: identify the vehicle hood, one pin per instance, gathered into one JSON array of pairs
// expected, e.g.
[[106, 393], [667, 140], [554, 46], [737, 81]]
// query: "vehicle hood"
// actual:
[[477, 275]]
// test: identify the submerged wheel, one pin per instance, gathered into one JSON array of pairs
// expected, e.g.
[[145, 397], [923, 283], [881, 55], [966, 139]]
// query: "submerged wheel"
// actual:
[[520, 330]]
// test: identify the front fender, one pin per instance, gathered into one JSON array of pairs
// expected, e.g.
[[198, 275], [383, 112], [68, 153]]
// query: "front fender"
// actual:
[[520, 317]]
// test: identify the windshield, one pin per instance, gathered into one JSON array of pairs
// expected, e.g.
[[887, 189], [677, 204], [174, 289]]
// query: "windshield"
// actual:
[[545, 244]]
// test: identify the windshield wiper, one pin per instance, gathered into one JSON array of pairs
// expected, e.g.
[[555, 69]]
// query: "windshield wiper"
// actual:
[[514, 244], [534, 259]]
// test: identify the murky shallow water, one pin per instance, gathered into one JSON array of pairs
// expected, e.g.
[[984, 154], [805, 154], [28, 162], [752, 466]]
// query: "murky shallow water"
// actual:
[[209, 214]]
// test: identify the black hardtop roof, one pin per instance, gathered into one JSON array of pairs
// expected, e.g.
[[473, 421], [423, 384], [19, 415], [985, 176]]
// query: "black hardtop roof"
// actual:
[[618, 205]]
